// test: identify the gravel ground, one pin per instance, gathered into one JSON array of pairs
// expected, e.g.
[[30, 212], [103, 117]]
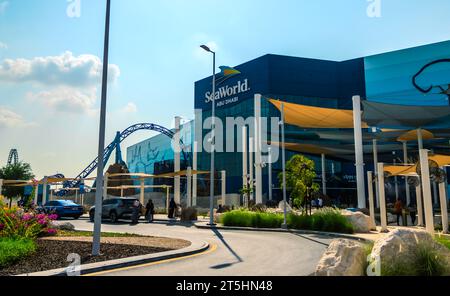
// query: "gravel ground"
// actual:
[[52, 252]]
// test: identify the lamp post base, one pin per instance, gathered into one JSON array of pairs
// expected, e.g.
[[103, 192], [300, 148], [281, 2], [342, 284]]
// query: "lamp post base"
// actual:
[[284, 226], [212, 225]]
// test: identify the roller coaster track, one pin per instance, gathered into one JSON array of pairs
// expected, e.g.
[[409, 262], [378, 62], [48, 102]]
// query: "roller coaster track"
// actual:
[[13, 157], [111, 147]]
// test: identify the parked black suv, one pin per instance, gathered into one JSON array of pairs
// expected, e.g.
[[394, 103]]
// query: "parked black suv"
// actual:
[[115, 209]]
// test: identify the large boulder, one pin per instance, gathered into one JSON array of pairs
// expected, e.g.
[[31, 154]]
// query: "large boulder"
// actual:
[[189, 214], [343, 257], [401, 244], [62, 225], [361, 223]]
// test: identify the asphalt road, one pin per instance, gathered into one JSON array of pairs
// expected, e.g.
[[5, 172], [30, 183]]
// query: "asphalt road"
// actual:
[[234, 253]]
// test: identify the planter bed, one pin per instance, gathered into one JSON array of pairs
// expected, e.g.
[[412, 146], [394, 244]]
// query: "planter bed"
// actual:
[[51, 253]]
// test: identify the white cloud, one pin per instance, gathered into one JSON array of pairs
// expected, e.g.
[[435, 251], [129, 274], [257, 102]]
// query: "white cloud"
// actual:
[[200, 53], [3, 6], [67, 100], [65, 69], [3, 45], [10, 119], [130, 108]]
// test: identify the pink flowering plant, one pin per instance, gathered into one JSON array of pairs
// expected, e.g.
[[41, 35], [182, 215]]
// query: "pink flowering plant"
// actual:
[[16, 223]]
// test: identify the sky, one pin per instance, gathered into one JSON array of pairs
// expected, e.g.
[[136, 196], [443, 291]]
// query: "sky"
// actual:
[[51, 59]]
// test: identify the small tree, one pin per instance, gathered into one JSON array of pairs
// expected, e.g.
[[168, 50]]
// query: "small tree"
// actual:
[[17, 171], [246, 191], [300, 174]]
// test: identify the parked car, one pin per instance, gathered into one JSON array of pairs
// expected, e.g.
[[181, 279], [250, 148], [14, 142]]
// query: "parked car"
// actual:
[[64, 209], [115, 209]]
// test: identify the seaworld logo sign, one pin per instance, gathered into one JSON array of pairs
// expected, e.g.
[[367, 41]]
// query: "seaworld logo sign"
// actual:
[[242, 86]]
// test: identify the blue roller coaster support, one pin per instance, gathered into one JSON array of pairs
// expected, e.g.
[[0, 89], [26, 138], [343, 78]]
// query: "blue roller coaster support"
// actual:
[[120, 137], [13, 157], [119, 158]]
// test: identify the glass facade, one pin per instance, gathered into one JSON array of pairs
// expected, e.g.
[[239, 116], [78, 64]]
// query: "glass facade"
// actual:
[[386, 78]]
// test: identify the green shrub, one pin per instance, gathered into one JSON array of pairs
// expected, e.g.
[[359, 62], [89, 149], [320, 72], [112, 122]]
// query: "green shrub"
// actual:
[[329, 220], [243, 218], [303, 222], [424, 261], [444, 240], [12, 250]]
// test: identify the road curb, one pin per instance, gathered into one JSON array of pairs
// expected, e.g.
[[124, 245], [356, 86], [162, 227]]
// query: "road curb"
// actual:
[[295, 231], [194, 248]]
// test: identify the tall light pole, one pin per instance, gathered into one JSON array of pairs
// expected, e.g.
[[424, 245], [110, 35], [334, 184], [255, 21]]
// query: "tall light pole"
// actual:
[[213, 137], [283, 161], [101, 140]]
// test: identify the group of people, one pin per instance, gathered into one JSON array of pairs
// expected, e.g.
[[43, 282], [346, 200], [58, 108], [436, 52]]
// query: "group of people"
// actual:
[[317, 203], [150, 211], [401, 212]]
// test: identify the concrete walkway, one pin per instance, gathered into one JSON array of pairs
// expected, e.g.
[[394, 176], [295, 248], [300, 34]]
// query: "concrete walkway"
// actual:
[[234, 253]]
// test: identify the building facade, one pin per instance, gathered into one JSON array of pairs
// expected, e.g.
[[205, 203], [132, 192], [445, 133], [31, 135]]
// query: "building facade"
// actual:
[[394, 77]]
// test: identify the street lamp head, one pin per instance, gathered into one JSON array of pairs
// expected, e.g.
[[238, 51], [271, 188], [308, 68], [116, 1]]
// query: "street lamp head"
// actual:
[[206, 48]]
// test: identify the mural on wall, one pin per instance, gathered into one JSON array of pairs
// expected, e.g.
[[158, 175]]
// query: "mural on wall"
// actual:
[[417, 76], [442, 90], [155, 155]]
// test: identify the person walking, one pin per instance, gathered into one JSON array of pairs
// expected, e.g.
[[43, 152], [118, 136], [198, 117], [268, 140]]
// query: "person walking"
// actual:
[[172, 207], [398, 210], [136, 212], [320, 202], [150, 211], [412, 213]]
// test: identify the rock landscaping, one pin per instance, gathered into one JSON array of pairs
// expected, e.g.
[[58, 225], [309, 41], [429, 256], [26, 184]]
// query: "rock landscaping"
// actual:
[[402, 252], [343, 258]]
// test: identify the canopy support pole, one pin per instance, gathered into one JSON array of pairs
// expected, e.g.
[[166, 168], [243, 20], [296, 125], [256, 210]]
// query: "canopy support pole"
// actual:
[[419, 205], [371, 199], [224, 187], [244, 161], [375, 163], [270, 174], [324, 175], [36, 194], [426, 188], [189, 187], [1, 186], [405, 161], [76, 195], [397, 194], [359, 152], [177, 162], [194, 177], [258, 148], [444, 210], [251, 166], [142, 192], [420, 138], [44, 191], [167, 198], [435, 194], [382, 197], [283, 163]]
